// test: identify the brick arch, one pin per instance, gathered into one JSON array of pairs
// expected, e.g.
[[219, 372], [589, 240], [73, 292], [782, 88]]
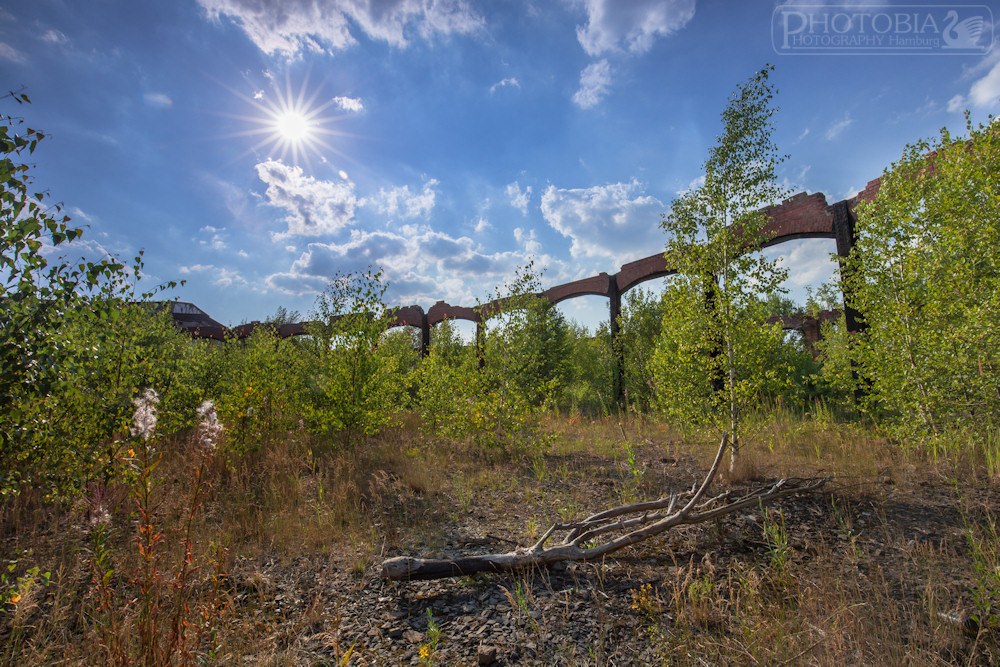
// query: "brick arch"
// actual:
[[442, 311], [599, 285], [801, 216]]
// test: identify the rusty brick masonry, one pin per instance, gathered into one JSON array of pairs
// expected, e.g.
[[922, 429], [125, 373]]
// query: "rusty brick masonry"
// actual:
[[801, 216]]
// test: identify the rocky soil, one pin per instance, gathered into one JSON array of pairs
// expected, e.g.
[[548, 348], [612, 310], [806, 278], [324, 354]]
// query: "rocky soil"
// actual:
[[879, 560]]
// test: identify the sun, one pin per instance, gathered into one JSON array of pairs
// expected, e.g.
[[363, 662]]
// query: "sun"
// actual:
[[291, 126], [294, 127]]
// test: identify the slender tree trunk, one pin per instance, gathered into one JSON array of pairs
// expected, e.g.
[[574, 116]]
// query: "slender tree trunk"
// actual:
[[734, 449]]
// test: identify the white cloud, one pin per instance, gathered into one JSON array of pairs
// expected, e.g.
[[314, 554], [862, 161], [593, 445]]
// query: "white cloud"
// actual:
[[296, 284], [78, 250], [158, 100], [400, 203], [8, 52], [388, 19], [349, 104], [317, 207], [228, 278], [519, 199], [613, 25], [528, 240], [838, 127], [595, 80], [236, 199], [221, 276], [693, 185], [986, 91], [54, 37], [800, 177], [613, 221], [303, 26], [808, 261], [288, 27], [217, 240], [79, 213], [419, 264], [482, 225], [314, 207], [509, 81]]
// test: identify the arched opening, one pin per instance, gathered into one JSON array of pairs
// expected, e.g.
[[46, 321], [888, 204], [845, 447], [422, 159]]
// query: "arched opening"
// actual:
[[465, 329], [811, 263], [588, 311], [408, 336]]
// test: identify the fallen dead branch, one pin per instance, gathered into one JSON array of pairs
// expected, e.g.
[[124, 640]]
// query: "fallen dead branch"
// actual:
[[606, 532]]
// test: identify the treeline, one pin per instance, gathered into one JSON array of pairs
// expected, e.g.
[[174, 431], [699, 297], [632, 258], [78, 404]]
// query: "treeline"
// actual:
[[79, 347]]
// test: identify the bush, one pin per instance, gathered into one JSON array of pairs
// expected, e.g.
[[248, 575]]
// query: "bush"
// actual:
[[353, 387], [926, 278], [73, 347]]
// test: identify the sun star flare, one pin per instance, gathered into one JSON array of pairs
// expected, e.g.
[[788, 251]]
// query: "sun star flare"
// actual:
[[291, 126]]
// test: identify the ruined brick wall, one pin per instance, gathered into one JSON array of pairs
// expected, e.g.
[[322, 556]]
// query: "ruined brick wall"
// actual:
[[800, 216]]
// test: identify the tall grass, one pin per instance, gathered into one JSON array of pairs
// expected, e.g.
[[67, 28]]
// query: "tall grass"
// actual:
[[991, 452], [174, 564]]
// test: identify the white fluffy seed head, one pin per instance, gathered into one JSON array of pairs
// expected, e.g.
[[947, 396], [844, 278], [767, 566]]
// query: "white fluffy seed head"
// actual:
[[144, 419], [210, 429]]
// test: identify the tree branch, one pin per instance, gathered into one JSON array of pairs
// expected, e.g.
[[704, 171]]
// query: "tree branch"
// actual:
[[649, 523]]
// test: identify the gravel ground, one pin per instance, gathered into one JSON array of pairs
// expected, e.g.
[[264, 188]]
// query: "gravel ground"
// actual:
[[323, 609]]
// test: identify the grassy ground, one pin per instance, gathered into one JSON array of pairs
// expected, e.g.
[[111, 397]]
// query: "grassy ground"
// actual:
[[274, 559]]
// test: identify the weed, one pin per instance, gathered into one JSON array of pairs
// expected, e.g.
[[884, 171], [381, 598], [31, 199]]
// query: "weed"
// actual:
[[429, 647], [151, 591], [538, 466], [531, 529], [462, 492], [777, 538], [633, 466], [991, 452], [521, 592], [19, 597], [629, 490], [984, 543], [14, 589], [568, 511], [520, 600], [695, 596], [845, 526], [277, 508], [646, 601]]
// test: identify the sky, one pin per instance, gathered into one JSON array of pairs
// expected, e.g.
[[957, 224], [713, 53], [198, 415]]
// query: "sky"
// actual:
[[256, 148]]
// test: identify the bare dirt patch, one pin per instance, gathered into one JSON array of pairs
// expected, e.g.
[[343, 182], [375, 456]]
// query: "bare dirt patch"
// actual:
[[868, 573]]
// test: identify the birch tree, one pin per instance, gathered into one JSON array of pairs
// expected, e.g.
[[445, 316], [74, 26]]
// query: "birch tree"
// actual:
[[710, 361]]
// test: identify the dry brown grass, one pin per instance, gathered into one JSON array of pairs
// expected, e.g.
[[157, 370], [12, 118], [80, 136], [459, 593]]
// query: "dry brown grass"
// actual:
[[868, 565]]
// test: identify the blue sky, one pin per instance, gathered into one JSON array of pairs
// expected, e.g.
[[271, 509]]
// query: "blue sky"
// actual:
[[447, 141]]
